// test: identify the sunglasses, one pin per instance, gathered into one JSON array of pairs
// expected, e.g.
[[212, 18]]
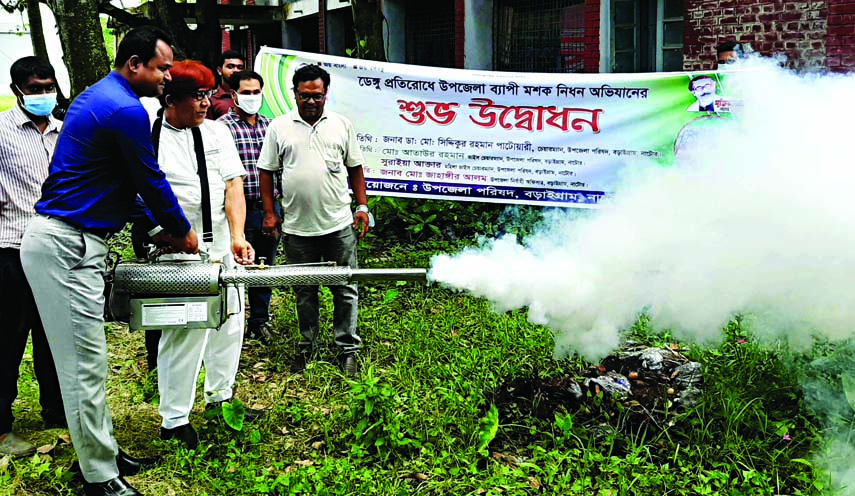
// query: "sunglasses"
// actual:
[[316, 96], [201, 95]]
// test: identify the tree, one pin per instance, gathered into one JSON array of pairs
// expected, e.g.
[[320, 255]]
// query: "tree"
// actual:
[[368, 25], [82, 41], [202, 43]]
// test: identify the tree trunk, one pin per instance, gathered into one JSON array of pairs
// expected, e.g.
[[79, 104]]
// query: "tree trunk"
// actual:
[[37, 31], [82, 41], [204, 42], [368, 25]]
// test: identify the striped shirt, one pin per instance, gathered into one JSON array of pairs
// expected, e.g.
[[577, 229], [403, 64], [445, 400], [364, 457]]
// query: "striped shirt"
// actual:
[[25, 155], [248, 139]]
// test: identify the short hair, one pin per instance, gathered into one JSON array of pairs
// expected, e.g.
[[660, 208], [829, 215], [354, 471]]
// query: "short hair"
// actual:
[[230, 54], [698, 78], [237, 77], [23, 68], [187, 76], [141, 42], [727, 46], [310, 72]]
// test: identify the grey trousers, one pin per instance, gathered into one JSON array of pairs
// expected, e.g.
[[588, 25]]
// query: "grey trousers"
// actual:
[[65, 268], [338, 247]]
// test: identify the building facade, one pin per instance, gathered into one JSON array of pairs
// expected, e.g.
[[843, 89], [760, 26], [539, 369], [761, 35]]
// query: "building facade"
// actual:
[[585, 35]]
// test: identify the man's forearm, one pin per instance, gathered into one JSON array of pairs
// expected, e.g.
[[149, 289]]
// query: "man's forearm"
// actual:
[[265, 182], [235, 207], [357, 184]]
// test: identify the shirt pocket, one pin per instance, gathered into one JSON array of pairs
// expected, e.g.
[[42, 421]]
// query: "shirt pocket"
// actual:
[[333, 166]]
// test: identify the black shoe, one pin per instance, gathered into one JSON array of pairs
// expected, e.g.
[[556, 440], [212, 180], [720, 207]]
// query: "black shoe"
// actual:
[[260, 332], [349, 365], [250, 414], [184, 433], [112, 487], [129, 466], [300, 362]]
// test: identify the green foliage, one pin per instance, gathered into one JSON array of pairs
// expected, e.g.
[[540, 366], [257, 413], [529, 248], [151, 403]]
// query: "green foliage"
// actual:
[[489, 427], [377, 413], [360, 52], [432, 363], [234, 413], [415, 220]]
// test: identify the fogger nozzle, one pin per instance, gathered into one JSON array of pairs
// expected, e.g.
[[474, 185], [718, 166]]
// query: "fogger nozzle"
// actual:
[[193, 278]]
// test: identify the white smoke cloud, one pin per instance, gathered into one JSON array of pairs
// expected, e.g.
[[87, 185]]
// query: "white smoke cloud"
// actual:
[[762, 222]]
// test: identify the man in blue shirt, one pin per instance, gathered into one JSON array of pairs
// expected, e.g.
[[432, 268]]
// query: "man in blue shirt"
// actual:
[[103, 160]]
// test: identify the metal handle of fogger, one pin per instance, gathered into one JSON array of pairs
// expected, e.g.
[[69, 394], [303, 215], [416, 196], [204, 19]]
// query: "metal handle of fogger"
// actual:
[[192, 294]]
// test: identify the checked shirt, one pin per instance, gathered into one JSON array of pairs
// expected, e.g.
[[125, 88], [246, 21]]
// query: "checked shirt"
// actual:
[[248, 139]]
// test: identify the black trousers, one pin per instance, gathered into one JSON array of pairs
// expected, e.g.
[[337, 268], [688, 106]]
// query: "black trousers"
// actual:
[[152, 336], [18, 316]]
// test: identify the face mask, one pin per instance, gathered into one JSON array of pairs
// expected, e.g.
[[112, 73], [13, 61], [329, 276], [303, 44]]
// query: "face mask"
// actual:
[[250, 104], [40, 105]]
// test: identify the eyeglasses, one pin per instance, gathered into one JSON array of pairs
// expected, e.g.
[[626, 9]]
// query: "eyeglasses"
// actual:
[[311, 96], [201, 95]]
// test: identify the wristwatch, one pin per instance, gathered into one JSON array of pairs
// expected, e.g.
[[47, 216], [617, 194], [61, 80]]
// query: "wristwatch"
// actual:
[[364, 209]]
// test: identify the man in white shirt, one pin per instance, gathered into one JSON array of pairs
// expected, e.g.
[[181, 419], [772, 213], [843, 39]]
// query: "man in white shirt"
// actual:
[[318, 154], [181, 352]]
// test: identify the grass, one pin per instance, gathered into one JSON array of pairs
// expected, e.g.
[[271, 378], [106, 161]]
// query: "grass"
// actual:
[[6, 102], [411, 422]]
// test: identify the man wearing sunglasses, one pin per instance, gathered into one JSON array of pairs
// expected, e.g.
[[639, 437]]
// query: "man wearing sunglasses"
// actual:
[[318, 154], [201, 163]]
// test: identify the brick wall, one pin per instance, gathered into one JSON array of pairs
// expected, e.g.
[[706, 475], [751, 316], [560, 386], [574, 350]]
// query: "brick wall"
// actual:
[[840, 43], [592, 35], [796, 29]]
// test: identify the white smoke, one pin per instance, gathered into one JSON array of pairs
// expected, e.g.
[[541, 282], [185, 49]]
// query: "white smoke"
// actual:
[[762, 222]]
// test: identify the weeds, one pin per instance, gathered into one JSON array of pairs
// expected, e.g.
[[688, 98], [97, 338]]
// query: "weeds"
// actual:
[[419, 418]]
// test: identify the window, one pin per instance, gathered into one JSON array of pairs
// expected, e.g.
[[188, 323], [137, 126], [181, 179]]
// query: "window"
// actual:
[[430, 33], [538, 35], [646, 35]]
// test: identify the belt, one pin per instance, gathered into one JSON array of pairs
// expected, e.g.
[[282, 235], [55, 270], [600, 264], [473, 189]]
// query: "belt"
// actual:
[[255, 204]]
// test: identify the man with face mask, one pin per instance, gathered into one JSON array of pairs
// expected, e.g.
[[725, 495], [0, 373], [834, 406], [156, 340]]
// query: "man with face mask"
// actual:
[[28, 135], [248, 129]]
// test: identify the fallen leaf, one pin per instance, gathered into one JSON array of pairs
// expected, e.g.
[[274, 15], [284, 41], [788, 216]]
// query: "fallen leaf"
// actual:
[[317, 444], [231, 469], [45, 458], [45, 449], [534, 483], [258, 365], [304, 463], [284, 431], [64, 439], [258, 406], [4, 463], [454, 334], [415, 475]]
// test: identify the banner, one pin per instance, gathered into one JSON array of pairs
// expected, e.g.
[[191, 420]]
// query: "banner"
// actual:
[[505, 137]]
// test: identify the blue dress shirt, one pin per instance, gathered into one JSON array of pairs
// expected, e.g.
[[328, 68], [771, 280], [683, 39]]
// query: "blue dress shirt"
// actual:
[[103, 159]]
